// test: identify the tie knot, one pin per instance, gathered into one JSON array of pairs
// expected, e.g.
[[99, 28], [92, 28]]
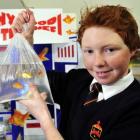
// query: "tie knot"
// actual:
[[96, 87], [93, 95]]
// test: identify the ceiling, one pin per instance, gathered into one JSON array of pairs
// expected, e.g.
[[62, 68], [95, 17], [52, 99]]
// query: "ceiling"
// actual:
[[10, 4]]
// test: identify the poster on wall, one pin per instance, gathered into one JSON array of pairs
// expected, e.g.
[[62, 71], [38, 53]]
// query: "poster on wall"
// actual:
[[69, 25], [48, 27], [54, 42], [64, 56]]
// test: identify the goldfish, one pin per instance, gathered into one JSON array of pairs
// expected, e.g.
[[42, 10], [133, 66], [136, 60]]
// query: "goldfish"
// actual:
[[26, 75], [69, 32], [68, 19], [17, 85], [40, 73], [43, 53], [18, 118]]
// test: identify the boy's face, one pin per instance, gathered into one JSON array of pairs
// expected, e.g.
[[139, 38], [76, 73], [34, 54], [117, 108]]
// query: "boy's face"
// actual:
[[105, 55]]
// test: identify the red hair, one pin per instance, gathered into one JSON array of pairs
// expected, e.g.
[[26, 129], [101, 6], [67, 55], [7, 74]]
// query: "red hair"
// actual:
[[117, 18]]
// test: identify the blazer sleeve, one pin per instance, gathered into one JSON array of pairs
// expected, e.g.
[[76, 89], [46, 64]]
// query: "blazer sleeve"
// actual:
[[63, 84], [57, 82]]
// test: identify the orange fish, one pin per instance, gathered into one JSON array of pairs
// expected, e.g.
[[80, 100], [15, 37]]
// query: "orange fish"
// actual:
[[17, 85], [18, 118], [40, 73], [43, 53], [69, 32], [68, 19], [26, 75]]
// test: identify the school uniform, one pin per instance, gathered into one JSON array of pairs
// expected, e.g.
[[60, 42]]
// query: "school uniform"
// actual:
[[115, 115]]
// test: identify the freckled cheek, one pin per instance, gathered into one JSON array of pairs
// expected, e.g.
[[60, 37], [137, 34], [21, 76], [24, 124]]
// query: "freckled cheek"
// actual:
[[113, 62], [88, 63], [118, 63]]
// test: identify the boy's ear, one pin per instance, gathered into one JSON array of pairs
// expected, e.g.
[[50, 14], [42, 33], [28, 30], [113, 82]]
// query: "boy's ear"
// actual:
[[133, 52]]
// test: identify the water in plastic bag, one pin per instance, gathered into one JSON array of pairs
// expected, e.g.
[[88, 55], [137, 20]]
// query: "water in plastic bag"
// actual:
[[19, 67]]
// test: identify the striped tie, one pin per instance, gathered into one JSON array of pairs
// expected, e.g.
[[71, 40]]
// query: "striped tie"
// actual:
[[93, 94]]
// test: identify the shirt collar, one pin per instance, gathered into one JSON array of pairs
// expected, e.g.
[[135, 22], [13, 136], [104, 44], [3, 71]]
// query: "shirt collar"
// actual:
[[117, 87]]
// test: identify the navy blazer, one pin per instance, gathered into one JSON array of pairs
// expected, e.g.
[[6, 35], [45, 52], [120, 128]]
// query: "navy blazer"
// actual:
[[117, 118]]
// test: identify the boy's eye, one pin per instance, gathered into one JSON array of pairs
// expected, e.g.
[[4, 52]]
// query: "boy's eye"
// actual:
[[108, 50], [88, 51]]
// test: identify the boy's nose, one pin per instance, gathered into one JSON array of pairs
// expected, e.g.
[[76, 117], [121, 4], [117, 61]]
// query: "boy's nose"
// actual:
[[99, 60]]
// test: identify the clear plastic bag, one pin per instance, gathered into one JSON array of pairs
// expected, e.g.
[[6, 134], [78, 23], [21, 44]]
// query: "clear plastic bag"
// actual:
[[19, 67]]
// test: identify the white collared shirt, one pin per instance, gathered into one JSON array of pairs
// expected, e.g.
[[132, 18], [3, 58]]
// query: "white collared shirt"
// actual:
[[116, 88]]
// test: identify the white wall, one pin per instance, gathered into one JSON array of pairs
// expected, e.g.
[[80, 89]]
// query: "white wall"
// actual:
[[72, 6]]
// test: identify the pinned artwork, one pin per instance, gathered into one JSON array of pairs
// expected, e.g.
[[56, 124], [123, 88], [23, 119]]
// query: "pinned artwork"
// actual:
[[56, 47], [18, 118]]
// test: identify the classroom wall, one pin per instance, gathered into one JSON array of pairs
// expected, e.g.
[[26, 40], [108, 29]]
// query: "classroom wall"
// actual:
[[73, 6]]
